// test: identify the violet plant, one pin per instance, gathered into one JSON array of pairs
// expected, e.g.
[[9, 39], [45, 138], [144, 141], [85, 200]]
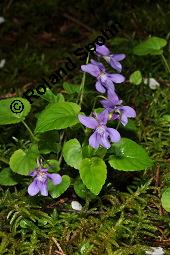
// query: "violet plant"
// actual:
[[104, 149]]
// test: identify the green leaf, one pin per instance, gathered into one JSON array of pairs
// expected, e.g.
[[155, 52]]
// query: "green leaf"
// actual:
[[93, 173], [71, 88], [7, 177], [89, 152], [72, 153], [166, 117], [57, 116], [118, 41], [152, 46], [51, 97], [131, 126], [23, 162], [81, 190], [136, 78], [59, 98], [53, 165], [165, 199], [56, 190], [9, 106], [48, 142], [129, 156]]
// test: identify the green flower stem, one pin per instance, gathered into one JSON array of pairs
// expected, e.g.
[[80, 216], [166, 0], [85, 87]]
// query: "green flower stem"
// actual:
[[82, 83], [167, 67], [30, 132], [4, 160]]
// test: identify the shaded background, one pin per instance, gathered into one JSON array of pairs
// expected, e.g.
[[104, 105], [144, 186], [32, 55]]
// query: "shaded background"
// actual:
[[37, 36]]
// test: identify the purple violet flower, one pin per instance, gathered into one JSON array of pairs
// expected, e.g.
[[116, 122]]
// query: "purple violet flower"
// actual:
[[112, 59], [104, 80], [102, 133], [114, 106], [40, 182]]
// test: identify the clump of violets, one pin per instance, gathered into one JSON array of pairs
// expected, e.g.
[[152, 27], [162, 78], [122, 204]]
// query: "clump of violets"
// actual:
[[40, 182], [102, 134], [112, 59], [118, 112], [105, 81], [113, 108]]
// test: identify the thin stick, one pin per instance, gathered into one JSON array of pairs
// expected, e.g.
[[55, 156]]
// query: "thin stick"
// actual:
[[77, 22], [30, 132], [58, 246]]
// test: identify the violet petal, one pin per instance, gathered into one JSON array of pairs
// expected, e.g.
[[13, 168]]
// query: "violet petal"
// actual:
[[114, 135], [89, 122], [129, 111], [33, 188], [55, 178], [102, 50], [91, 69], [43, 188], [117, 78], [99, 87], [94, 140]]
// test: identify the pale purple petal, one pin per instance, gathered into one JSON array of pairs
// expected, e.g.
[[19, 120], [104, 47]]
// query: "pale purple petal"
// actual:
[[94, 140], [114, 135], [44, 170], [98, 64], [113, 96], [102, 50], [129, 111], [33, 188], [103, 117], [43, 188], [118, 57], [116, 65], [111, 90], [117, 78], [105, 142], [109, 85], [115, 116], [89, 122], [103, 78], [91, 69], [99, 87], [107, 104], [33, 173], [55, 178], [123, 119]]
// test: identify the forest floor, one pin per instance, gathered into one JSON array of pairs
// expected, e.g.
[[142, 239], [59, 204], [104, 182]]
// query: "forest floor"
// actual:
[[36, 38]]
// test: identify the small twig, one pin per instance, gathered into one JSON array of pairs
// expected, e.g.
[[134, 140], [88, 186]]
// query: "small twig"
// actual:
[[8, 5], [77, 22], [58, 246], [50, 250], [86, 212], [157, 184]]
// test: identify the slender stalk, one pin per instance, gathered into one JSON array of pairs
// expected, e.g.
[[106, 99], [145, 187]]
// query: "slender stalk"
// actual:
[[119, 121], [30, 132], [4, 160], [83, 82], [167, 67]]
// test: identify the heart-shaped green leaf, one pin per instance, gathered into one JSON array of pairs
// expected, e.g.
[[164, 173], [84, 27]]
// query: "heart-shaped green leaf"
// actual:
[[129, 156], [165, 199], [72, 153], [13, 110], [93, 173], [152, 46], [56, 190], [57, 116]]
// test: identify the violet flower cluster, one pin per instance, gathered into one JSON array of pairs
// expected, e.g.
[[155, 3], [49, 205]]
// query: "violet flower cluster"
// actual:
[[113, 108], [40, 182]]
